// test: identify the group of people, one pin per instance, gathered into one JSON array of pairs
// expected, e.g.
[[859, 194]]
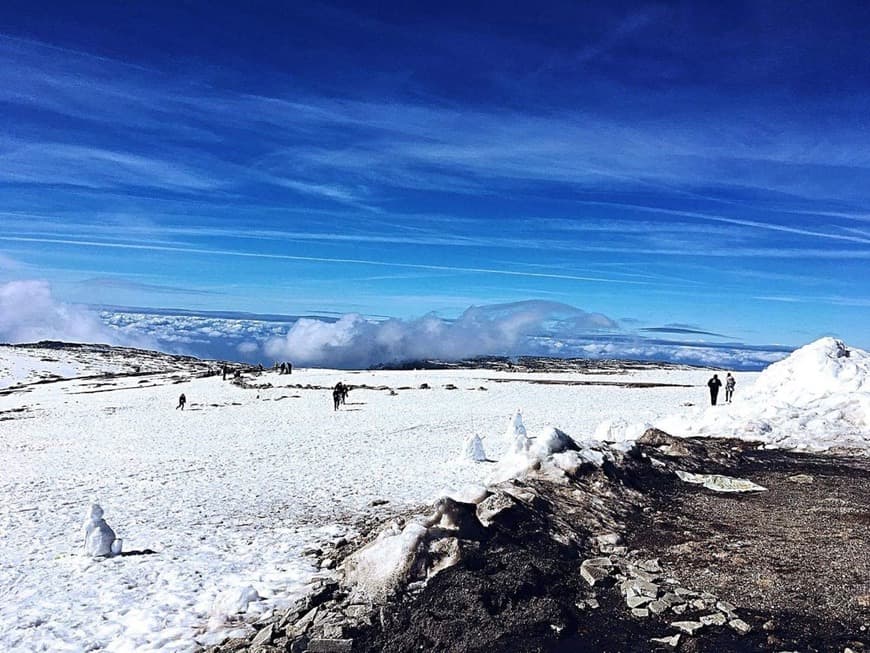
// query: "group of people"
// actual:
[[715, 383], [339, 395], [284, 368]]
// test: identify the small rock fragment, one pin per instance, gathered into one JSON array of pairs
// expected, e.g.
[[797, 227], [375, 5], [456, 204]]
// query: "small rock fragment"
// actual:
[[671, 641], [740, 626], [657, 607], [801, 478], [688, 627], [715, 619], [640, 612]]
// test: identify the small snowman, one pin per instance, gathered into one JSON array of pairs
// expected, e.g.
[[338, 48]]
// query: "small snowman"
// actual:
[[100, 540], [518, 440], [472, 449]]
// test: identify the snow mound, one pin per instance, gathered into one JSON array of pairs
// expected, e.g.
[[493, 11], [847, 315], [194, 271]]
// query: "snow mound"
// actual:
[[817, 398]]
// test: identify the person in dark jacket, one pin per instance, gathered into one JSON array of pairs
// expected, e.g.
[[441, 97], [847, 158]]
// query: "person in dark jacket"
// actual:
[[337, 394], [181, 401], [714, 384]]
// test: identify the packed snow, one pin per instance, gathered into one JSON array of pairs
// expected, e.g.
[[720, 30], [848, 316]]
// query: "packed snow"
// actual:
[[217, 502]]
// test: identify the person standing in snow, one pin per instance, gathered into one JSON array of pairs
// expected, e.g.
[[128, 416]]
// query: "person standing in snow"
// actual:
[[714, 384], [729, 387], [181, 401], [337, 393]]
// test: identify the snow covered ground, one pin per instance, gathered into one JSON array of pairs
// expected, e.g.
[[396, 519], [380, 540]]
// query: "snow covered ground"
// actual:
[[229, 491]]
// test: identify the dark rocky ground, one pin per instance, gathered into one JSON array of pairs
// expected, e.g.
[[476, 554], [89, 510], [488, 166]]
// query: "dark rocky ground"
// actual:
[[615, 556]]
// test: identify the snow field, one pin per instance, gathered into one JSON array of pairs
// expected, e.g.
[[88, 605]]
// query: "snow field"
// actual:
[[230, 490]]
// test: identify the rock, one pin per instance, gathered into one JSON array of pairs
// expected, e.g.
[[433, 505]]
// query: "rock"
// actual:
[[640, 612], [801, 478], [688, 627], [769, 625], [640, 587], [698, 604], [727, 608], [493, 506], [598, 562], [265, 636], [608, 539], [302, 626], [235, 644], [651, 566], [740, 626], [330, 646], [715, 619], [657, 607], [671, 641], [680, 608], [634, 601], [682, 591], [299, 645], [327, 563], [593, 603], [671, 599], [593, 573]]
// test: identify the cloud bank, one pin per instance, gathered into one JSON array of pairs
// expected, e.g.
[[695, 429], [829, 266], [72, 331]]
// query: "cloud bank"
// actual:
[[29, 312]]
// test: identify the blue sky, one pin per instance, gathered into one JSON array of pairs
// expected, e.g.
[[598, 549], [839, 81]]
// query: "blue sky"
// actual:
[[671, 165]]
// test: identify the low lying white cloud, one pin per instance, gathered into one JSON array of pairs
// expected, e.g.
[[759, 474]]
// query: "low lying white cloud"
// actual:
[[29, 312], [355, 342]]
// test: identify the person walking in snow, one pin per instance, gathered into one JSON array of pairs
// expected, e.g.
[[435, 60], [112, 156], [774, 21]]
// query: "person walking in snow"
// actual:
[[714, 384], [181, 401], [336, 395], [729, 387]]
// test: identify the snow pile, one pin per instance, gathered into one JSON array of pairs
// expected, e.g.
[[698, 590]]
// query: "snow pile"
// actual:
[[232, 602], [472, 449], [817, 398], [619, 432], [551, 450]]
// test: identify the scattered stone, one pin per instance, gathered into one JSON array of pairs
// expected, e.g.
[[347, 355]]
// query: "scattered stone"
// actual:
[[698, 604], [715, 619], [327, 563], [593, 603], [727, 608], [657, 607], [671, 641], [640, 612], [801, 478], [634, 601], [740, 626], [651, 566], [265, 636], [769, 625], [302, 626], [682, 591], [688, 627], [679, 608], [593, 573], [670, 598], [598, 562], [330, 646], [640, 587]]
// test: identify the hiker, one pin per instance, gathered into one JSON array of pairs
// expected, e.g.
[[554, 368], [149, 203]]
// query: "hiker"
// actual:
[[344, 392], [181, 401], [283, 368], [224, 370], [729, 387], [289, 368], [336, 395], [714, 384]]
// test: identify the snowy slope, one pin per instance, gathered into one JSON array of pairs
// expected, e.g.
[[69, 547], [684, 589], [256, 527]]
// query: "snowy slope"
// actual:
[[818, 398], [230, 491]]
